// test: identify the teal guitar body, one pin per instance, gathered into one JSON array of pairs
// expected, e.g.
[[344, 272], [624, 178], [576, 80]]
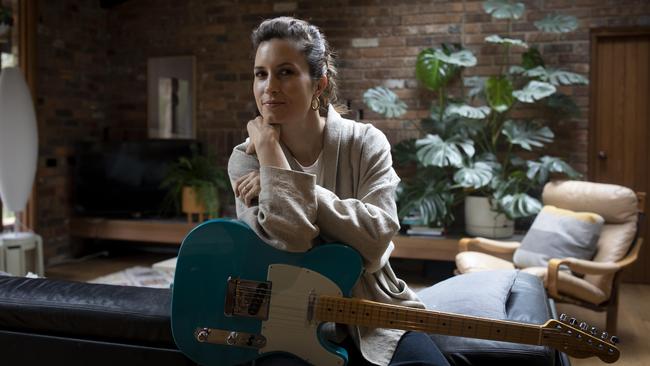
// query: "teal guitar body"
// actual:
[[222, 309]]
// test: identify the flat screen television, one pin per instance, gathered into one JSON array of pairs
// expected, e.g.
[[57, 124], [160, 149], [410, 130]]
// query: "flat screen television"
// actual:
[[122, 179]]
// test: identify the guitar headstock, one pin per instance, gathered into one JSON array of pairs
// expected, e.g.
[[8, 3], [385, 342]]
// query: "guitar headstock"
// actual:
[[578, 339]]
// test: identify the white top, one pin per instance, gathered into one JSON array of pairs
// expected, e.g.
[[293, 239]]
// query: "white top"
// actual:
[[315, 168]]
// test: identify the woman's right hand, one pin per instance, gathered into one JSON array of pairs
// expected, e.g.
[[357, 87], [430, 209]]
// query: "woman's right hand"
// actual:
[[261, 131], [248, 187], [264, 141]]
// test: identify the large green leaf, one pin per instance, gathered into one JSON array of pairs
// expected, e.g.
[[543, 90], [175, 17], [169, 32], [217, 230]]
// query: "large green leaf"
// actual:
[[427, 198], [462, 58], [476, 84], [519, 205], [563, 106], [534, 90], [515, 69], [434, 151], [557, 23], [539, 171], [498, 92], [532, 58], [555, 76], [475, 176], [468, 111], [405, 152], [384, 101], [527, 134], [433, 72], [509, 41], [503, 9]]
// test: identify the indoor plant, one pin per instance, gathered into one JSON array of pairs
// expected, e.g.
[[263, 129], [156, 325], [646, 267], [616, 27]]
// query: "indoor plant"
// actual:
[[195, 183], [6, 20], [470, 143]]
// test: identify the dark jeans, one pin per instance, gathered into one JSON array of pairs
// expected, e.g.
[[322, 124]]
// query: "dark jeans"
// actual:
[[413, 349]]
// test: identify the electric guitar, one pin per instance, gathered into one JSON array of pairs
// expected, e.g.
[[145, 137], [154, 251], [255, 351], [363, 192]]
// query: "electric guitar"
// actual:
[[235, 299]]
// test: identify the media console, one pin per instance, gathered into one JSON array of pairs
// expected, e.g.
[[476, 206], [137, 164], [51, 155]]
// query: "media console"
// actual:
[[172, 232]]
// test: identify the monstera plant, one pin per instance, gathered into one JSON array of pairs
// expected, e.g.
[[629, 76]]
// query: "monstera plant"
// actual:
[[470, 143]]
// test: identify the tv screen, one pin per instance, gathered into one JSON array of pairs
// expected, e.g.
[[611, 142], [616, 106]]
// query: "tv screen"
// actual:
[[123, 179]]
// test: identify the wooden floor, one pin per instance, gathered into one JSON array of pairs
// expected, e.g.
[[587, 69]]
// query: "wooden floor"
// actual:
[[633, 323], [633, 326]]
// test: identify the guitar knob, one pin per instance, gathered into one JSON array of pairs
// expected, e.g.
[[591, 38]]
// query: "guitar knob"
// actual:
[[593, 330], [573, 321], [604, 335], [563, 317], [615, 340], [584, 326]]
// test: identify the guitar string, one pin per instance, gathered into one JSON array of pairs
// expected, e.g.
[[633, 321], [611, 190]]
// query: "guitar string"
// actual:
[[413, 324], [289, 318]]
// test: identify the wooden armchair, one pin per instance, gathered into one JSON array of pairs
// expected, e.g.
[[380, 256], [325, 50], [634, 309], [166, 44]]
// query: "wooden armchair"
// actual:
[[590, 283]]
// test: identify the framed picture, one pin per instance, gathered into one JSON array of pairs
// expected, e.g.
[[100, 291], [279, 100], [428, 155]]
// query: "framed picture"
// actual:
[[171, 97]]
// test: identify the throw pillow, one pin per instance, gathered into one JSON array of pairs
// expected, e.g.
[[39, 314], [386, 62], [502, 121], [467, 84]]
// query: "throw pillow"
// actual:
[[559, 233]]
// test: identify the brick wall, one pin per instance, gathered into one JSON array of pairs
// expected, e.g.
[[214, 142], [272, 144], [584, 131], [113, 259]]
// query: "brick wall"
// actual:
[[72, 79], [377, 43]]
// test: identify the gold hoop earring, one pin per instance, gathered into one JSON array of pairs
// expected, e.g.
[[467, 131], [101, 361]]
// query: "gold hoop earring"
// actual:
[[317, 105]]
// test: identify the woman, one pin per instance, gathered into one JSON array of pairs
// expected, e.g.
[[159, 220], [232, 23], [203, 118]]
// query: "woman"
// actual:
[[302, 180]]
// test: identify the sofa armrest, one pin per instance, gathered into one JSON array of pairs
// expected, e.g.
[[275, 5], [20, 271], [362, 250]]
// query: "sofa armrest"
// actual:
[[488, 245]]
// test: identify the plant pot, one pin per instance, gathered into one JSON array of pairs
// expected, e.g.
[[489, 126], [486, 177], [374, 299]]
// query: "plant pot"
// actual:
[[191, 206], [4, 32], [482, 220]]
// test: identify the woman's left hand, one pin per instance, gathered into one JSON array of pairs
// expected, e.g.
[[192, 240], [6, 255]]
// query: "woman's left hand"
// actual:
[[248, 187]]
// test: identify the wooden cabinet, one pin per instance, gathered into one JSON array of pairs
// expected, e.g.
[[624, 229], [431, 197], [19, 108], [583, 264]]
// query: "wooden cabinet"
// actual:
[[172, 233]]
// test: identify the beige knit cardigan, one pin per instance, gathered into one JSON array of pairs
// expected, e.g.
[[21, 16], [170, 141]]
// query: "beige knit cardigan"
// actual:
[[351, 202]]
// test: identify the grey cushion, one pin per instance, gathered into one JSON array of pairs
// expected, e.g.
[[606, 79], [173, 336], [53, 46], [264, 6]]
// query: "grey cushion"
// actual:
[[503, 294], [559, 233]]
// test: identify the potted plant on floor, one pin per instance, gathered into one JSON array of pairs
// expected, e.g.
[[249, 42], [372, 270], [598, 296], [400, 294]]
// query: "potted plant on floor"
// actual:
[[6, 21], [472, 144], [194, 186]]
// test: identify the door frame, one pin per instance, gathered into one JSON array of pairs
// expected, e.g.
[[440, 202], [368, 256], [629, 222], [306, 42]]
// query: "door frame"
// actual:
[[595, 34]]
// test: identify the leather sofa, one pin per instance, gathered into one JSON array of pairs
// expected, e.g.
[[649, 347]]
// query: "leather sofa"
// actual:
[[44, 321]]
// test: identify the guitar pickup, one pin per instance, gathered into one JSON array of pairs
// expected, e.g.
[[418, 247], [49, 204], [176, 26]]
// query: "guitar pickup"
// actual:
[[229, 338], [249, 299]]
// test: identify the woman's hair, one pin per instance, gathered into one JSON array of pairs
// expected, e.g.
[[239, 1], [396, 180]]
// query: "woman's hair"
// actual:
[[311, 42]]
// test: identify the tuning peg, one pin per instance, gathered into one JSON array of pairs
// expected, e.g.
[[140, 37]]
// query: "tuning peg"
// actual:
[[584, 326], [615, 339], [573, 321], [604, 335], [593, 330], [563, 317]]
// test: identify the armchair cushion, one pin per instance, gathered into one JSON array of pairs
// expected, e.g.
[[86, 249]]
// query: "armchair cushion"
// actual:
[[559, 233], [467, 262]]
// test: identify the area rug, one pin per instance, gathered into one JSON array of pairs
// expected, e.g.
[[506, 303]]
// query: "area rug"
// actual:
[[138, 276]]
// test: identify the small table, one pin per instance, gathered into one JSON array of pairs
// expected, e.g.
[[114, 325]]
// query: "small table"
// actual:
[[20, 253], [437, 248]]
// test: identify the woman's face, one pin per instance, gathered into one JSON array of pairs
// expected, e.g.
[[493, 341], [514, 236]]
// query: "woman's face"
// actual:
[[283, 87]]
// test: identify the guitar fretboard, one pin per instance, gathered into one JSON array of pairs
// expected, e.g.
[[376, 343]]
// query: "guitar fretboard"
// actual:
[[379, 315]]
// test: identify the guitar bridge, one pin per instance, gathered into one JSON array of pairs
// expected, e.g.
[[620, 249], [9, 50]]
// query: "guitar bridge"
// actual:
[[249, 299]]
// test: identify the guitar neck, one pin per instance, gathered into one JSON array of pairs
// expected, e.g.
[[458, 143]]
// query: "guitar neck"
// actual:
[[379, 315]]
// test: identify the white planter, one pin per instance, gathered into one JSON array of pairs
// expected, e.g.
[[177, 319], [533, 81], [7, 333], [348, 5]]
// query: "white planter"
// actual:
[[481, 220], [4, 30]]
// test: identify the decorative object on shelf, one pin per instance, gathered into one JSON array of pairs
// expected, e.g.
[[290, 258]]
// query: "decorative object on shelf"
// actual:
[[6, 22], [197, 182], [171, 97], [472, 143], [18, 158]]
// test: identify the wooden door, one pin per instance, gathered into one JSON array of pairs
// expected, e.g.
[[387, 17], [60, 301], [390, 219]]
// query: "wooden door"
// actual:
[[619, 130]]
